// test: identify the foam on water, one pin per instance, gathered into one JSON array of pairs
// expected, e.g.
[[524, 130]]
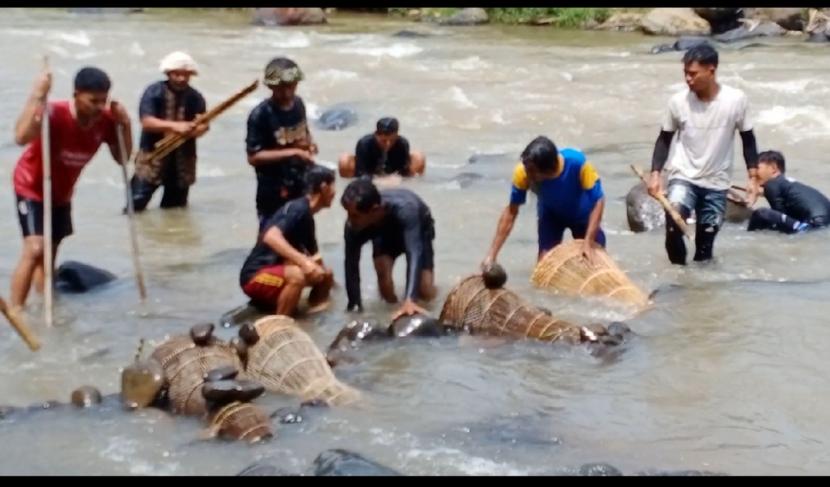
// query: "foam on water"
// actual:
[[472, 63], [335, 74], [461, 98], [79, 38], [395, 50]]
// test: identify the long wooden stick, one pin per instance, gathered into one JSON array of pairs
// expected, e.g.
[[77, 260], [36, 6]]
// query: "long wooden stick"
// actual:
[[139, 275], [20, 326], [678, 220], [46, 157], [172, 141]]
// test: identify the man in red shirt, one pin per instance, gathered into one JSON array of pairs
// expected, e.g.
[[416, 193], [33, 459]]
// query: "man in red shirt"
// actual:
[[77, 128]]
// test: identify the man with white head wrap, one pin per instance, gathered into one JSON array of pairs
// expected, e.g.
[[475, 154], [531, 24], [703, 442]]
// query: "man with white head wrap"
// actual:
[[169, 106]]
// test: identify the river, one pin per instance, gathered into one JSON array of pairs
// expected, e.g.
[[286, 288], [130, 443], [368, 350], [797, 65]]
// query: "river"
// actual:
[[726, 374]]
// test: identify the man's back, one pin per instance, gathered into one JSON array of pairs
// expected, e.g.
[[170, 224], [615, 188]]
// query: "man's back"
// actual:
[[798, 200]]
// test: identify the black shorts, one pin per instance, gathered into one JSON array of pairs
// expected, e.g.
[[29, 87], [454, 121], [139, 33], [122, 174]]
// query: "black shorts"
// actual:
[[392, 244], [30, 215]]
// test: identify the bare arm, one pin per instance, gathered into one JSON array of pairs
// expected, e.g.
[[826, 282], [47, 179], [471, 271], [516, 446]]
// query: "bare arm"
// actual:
[[505, 226], [276, 240], [28, 123], [594, 219], [122, 122]]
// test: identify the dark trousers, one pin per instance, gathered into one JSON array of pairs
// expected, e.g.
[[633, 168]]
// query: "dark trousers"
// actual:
[[175, 196], [769, 219]]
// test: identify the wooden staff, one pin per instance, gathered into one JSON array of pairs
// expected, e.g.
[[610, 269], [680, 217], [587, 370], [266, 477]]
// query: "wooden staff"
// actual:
[[172, 141], [139, 275], [678, 219], [19, 326], [46, 156]]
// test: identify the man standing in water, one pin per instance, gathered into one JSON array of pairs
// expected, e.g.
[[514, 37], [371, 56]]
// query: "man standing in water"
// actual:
[[381, 153], [77, 128], [706, 117], [569, 194], [279, 142], [169, 106], [397, 222], [283, 262]]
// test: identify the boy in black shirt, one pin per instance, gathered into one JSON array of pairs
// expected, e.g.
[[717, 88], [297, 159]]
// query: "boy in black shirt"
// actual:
[[278, 141], [382, 153], [396, 221], [283, 262], [168, 106], [794, 207]]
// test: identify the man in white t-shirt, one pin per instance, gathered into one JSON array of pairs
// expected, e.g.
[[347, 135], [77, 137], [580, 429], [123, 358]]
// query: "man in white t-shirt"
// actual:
[[706, 117]]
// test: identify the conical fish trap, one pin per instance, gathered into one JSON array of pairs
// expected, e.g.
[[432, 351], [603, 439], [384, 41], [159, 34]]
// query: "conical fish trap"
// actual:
[[241, 421], [499, 312], [286, 360], [564, 269], [185, 365]]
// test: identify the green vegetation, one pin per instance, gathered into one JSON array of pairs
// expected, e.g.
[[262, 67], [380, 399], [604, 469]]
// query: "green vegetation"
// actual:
[[560, 17]]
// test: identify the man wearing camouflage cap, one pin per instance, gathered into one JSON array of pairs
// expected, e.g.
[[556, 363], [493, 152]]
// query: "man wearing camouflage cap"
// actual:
[[278, 142]]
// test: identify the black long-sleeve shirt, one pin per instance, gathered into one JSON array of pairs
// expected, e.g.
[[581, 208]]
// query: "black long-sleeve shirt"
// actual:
[[797, 200], [407, 221]]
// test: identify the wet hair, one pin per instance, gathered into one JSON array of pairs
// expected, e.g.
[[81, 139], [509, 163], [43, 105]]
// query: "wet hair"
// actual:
[[542, 153], [703, 54], [92, 79], [387, 126], [363, 193], [773, 157], [316, 177]]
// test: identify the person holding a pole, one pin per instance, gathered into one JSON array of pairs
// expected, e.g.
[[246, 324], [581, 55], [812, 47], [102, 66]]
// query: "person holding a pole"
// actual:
[[77, 128], [169, 106], [705, 118]]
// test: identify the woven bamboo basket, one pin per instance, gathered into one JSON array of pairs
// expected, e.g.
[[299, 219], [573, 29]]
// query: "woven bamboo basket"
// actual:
[[241, 421], [286, 360], [564, 269], [474, 308], [185, 365]]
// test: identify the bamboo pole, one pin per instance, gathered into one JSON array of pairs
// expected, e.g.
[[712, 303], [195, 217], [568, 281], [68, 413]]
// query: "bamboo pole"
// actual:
[[48, 255], [139, 275], [678, 219], [172, 141]]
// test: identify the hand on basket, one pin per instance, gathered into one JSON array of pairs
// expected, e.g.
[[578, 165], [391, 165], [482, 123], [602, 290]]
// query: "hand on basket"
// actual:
[[589, 253]]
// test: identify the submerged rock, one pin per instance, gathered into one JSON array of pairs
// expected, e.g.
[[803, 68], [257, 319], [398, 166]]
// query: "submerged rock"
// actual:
[[76, 277], [337, 118], [341, 462]]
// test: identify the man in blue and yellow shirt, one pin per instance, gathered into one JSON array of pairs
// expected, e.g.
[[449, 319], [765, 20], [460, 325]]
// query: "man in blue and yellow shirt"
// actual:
[[569, 196]]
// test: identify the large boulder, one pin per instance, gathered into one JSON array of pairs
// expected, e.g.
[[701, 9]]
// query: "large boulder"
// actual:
[[819, 26], [750, 29], [788, 18], [643, 212], [288, 16], [622, 21], [674, 22], [467, 16], [721, 19]]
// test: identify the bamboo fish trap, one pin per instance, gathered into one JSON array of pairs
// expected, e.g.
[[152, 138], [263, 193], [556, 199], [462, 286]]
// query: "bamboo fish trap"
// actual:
[[240, 421], [472, 307], [185, 365], [286, 360], [564, 269]]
